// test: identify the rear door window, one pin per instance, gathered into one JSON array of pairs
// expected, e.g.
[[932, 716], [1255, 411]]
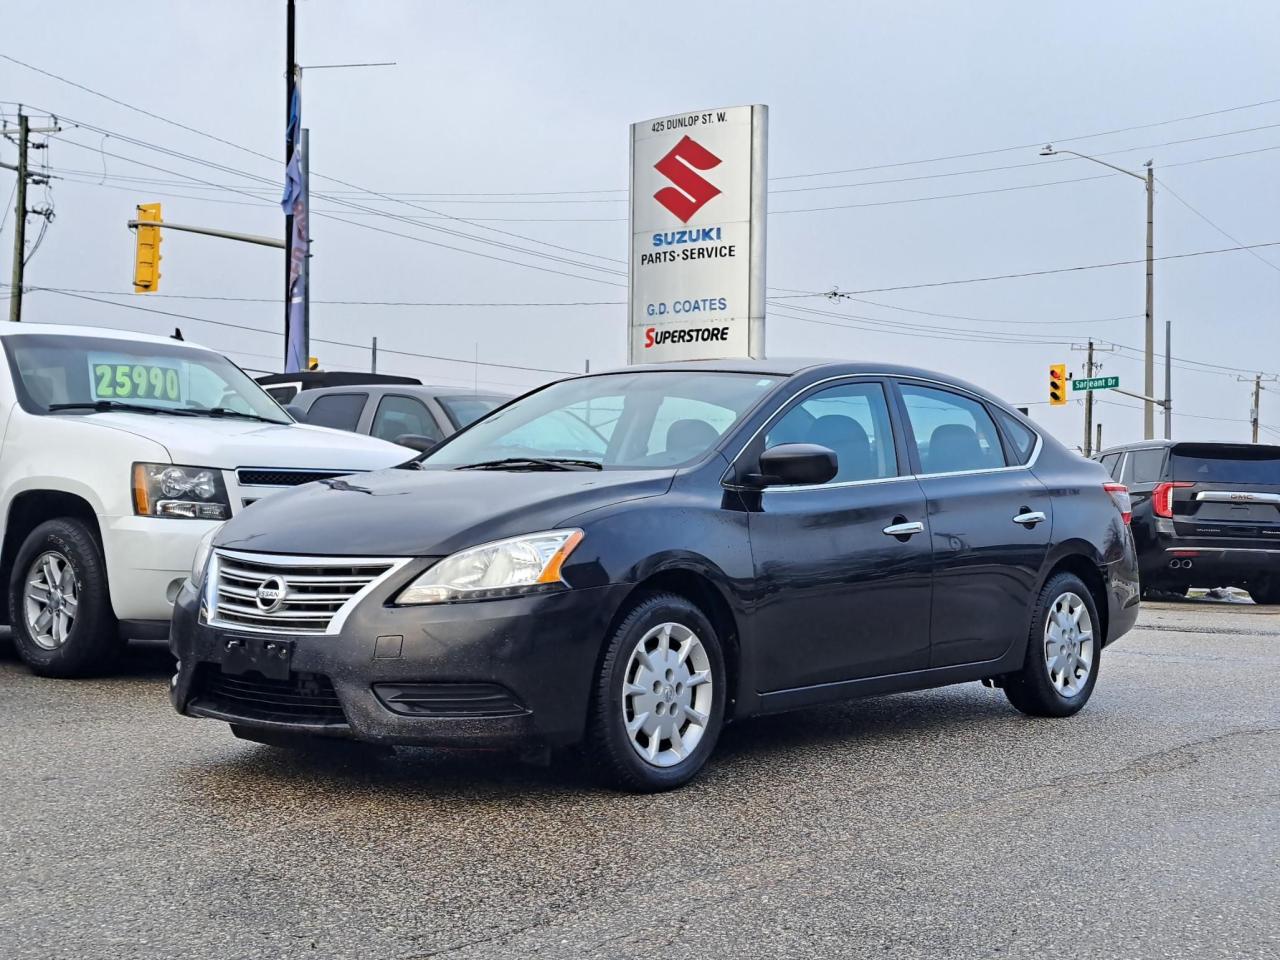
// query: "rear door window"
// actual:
[[338, 410], [953, 433], [1147, 465], [1021, 438]]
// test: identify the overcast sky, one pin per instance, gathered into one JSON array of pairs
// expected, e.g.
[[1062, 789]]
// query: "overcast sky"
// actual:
[[532, 98]]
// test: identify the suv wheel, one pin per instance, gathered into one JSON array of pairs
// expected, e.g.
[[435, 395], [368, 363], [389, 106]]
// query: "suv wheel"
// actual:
[[1063, 651], [659, 699], [62, 620], [1267, 592]]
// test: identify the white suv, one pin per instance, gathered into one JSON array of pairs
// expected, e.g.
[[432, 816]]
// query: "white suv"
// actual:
[[118, 453]]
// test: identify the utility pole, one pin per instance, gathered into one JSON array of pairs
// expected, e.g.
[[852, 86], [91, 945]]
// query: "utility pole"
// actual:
[[1149, 380], [1098, 446], [290, 79], [1255, 414], [373, 356], [1088, 404], [20, 210]]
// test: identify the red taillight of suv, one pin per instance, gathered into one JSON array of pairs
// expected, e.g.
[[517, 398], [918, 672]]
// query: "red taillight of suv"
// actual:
[[1120, 494], [1162, 497]]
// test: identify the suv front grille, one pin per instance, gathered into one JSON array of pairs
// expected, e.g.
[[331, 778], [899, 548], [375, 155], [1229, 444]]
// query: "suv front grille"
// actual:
[[290, 594], [303, 698], [269, 477]]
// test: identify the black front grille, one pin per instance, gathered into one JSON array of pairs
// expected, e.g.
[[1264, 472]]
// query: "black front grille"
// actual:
[[450, 699], [303, 698], [285, 478]]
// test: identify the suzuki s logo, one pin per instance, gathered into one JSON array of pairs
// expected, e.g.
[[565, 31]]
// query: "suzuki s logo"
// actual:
[[691, 191], [271, 594]]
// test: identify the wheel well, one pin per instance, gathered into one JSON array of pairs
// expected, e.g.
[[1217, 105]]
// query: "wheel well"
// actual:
[[28, 511], [703, 594], [1088, 572]]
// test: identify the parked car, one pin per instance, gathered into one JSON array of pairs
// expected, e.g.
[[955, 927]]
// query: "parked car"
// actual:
[[418, 416], [632, 559], [120, 451], [283, 387], [1204, 514]]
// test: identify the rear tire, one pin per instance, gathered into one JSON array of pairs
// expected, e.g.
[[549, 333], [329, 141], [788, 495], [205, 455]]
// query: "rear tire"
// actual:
[[59, 604], [1266, 593], [658, 703], [1064, 651]]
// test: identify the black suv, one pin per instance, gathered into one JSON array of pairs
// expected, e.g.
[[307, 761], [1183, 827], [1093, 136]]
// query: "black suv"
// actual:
[[1204, 514]]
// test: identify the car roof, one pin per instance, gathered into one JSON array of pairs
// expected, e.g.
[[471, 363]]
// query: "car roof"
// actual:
[[816, 367], [105, 333], [407, 389]]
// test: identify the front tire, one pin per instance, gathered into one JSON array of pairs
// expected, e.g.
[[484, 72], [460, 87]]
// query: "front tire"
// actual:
[[1064, 651], [59, 605], [1266, 593], [658, 704]]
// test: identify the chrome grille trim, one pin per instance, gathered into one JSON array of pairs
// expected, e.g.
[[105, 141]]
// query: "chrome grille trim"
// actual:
[[321, 591]]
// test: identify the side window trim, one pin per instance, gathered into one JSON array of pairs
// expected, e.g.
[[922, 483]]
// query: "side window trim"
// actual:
[[916, 466]]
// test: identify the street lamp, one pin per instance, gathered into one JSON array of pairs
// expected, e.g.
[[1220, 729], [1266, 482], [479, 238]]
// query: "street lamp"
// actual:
[[1148, 412]]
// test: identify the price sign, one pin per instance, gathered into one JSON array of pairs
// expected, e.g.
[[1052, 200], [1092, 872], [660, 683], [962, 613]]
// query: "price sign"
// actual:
[[127, 379]]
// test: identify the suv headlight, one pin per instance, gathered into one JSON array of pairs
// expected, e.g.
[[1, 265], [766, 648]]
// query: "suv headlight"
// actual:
[[183, 493], [503, 568]]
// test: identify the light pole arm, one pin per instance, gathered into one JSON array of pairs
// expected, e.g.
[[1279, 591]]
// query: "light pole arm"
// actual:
[[1085, 156]]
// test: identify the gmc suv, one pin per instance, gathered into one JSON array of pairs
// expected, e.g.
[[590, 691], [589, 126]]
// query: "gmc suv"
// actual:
[[1205, 514]]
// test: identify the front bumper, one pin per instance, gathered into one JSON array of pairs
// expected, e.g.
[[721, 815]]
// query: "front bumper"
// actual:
[[541, 650], [148, 558]]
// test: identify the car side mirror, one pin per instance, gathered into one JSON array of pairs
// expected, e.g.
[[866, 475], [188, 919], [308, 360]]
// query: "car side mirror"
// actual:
[[295, 411], [416, 441], [798, 464]]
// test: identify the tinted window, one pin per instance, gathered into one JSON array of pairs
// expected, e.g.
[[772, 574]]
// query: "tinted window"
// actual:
[[952, 432], [1021, 437], [1147, 464], [1111, 462], [852, 420], [467, 410], [399, 415], [338, 410], [1258, 466]]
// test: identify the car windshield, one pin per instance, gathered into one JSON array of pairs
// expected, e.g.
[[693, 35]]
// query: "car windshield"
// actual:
[[632, 420], [56, 373], [464, 411]]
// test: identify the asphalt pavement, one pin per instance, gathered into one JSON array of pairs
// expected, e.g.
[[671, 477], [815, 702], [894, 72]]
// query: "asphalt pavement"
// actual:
[[938, 824]]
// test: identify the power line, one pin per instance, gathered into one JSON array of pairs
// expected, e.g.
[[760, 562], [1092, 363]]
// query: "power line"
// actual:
[[340, 343], [348, 303], [1036, 273], [1257, 256]]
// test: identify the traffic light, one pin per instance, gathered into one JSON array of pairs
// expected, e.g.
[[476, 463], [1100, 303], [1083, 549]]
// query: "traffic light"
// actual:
[[1058, 385], [146, 255]]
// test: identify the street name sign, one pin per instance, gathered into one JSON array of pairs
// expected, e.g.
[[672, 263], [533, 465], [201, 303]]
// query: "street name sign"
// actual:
[[696, 275], [1096, 383]]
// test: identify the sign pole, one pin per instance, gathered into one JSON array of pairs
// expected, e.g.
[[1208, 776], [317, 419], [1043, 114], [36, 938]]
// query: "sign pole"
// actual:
[[1088, 404]]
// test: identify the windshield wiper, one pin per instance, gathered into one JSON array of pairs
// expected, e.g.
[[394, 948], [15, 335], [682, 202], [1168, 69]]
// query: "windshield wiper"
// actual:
[[103, 406], [534, 463], [228, 412]]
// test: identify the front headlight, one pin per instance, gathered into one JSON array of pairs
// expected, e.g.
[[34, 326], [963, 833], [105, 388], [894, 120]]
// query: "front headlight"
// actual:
[[500, 569], [182, 493], [201, 559]]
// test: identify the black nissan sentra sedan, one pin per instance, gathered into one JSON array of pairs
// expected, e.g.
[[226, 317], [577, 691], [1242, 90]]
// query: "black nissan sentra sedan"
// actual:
[[630, 560]]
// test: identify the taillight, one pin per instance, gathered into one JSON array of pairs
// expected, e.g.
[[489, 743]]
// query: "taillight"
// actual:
[[1162, 497], [1120, 494]]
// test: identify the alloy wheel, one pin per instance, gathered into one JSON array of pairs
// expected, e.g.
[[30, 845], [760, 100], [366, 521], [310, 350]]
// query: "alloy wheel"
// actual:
[[1069, 645], [667, 694], [50, 599]]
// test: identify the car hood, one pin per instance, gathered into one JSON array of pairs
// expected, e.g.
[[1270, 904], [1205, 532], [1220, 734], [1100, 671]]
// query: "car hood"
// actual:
[[231, 443], [414, 513]]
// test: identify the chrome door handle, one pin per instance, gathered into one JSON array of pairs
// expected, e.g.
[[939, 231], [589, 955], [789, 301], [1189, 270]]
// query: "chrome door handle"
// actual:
[[904, 529], [1031, 517]]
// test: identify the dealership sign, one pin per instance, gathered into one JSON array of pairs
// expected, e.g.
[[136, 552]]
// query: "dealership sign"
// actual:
[[697, 235]]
